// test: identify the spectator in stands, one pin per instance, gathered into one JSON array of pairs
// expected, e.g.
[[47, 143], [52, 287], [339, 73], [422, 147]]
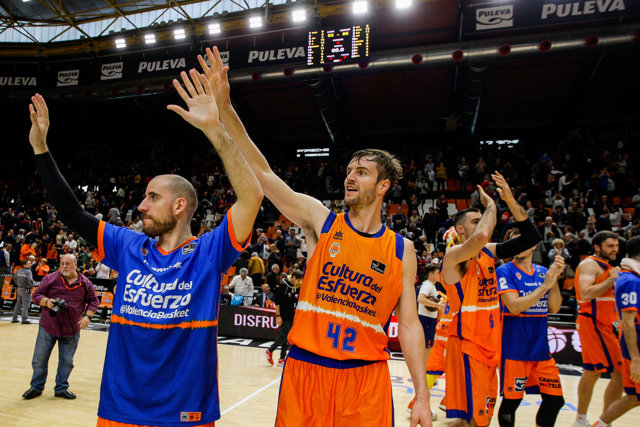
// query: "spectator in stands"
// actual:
[[61, 237], [549, 226], [571, 243], [399, 220], [558, 249], [242, 261], [291, 246], [430, 225], [27, 249], [414, 218], [603, 223], [23, 279], [226, 296], [256, 269], [84, 256], [42, 269], [243, 285], [263, 297], [274, 257], [463, 172], [273, 277], [102, 271], [480, 169], [70, 245], [441, 176], [559, 217], [64, 328], [5, 258]]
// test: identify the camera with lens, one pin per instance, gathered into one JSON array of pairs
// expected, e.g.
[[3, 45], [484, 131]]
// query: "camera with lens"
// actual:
[[59, 305]]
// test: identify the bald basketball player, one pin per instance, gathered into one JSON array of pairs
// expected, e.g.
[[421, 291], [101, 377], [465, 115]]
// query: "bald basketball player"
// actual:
[[161, 363]]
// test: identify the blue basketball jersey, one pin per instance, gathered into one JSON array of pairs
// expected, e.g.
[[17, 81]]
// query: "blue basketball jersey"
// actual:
[[627, 293], [161, 362], [524, 335]]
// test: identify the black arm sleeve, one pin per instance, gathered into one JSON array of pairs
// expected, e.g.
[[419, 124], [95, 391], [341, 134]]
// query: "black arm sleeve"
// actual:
[[69, 209], [529, 236]]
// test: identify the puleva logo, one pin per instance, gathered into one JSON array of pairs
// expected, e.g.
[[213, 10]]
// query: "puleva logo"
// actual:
[[334, 249], [489, 18]]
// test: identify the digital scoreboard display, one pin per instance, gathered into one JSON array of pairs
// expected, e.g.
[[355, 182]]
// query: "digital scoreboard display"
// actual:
[[338, 46]]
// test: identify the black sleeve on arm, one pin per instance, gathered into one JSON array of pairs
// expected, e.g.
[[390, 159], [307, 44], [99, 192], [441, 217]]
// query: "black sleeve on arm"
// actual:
[[69, 209], [529, 236]]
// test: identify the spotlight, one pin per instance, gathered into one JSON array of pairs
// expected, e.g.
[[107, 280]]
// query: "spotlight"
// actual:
[[255, 22], [299, 15], [121, 43], [149, 38], [179, 34], [288, 72], [416, 59], [363, 65], [360, 7], [457, 55], [403, 4], [256, 75], [214, 28], [327, 68]]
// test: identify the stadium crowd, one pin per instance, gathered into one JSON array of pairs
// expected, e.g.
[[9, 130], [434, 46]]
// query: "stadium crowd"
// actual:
[[585, 182]]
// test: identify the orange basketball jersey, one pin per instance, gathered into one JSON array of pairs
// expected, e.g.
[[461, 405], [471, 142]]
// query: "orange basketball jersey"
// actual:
[[603, 307], [351, 285], [475, 304]]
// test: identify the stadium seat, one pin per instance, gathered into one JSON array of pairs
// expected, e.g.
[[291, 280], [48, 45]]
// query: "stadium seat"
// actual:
[[461, 204]]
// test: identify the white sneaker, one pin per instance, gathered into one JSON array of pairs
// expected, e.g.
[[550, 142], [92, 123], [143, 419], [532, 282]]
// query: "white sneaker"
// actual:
[[581, 423]]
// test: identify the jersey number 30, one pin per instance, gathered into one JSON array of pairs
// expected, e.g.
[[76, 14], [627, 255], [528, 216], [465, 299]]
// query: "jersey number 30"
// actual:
[[334, 334]]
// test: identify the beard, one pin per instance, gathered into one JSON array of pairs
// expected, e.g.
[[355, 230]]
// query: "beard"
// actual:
[[159, 227], [363, 199], [608, 255]]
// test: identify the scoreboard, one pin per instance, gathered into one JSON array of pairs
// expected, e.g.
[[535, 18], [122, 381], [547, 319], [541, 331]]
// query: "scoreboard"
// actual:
[[339, 45]]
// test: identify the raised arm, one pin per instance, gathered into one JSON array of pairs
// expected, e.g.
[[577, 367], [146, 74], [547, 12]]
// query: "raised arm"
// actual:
[[203, 114], [69, 209], [529, 234], [303, 210], [588, 274], [474, 244], [411, 337]]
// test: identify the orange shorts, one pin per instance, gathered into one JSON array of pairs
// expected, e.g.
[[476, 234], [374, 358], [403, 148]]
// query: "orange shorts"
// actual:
[[471, 386], [316, 391], [630, 387], [435, 363], [600, 346], [517, 376], [108, 423]]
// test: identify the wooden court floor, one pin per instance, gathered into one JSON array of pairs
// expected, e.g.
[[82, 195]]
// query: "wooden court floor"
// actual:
[[249, 387]]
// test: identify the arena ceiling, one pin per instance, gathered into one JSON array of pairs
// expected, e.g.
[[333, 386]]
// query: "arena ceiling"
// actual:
[[490, 93]]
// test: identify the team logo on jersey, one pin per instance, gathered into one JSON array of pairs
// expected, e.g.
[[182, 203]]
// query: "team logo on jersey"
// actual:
[[338, 235], [187, 249], [520, 383], [519, 276], [334, 249], [491, 270], [145, 252], [541, 275], [377, 266]]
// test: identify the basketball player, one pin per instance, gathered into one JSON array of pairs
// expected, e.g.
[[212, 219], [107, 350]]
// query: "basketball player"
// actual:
[[161, 359], [358, 272], [528, 292], [627, 292], [468, 273], [596, 316]]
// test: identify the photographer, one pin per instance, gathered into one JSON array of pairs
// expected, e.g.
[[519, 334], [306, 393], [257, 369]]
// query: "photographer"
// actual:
[[69, 300]]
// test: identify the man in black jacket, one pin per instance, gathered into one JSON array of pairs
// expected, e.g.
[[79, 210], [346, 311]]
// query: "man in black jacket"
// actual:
[[286, 298]]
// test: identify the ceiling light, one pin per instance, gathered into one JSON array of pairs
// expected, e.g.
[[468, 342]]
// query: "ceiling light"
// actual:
[[360, 7], [214, 28], [299, 15], [149, 38], [255, 22], [121, 43], [179, 34], [403, 4]]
